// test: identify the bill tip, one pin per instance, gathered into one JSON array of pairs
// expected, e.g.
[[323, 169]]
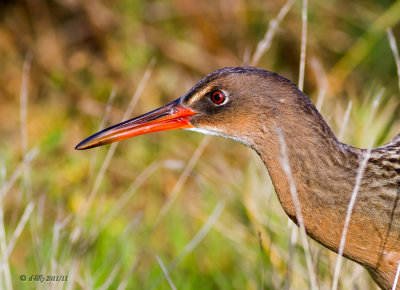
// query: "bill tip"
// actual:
[[82, 146]]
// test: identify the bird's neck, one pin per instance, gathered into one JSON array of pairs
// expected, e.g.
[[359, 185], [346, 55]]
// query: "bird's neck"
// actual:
[[323, 170]]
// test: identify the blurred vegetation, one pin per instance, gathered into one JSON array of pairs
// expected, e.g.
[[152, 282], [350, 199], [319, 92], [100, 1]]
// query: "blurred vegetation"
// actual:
[[203, 215]]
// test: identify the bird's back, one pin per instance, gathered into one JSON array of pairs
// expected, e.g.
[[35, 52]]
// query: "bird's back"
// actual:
[[381, 183]]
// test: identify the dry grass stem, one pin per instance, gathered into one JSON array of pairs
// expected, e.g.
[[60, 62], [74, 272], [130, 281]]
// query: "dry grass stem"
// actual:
[[127, 276], [136, 184], [266, 42], [284, 161], [24, 102], [123, 284], [375, 105], [200, 234], [36, 234], [165, 271], [210, 222], [371, 116], [58, 226], [377, 100], [292, 246], [262, 262], [18, 171], [110, 153], [20, 227], [110, 278], [304, 21], [345, 121], [108, 107], [322, 81], [3, 174], [364, 45], [396, 278], [140, 89], [101, 127], [354, 194], [246, 56], [26, 185], [182, 178], [71, 275], [393, 46], [5, 267]]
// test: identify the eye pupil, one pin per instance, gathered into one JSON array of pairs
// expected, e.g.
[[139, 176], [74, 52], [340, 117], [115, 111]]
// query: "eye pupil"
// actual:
[[218, 97]]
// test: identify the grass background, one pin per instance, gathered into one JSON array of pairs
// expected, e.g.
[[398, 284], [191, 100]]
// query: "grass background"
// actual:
[[202, 207]]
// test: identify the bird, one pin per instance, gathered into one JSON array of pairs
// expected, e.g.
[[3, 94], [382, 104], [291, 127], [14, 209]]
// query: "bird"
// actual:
[[257, 107]]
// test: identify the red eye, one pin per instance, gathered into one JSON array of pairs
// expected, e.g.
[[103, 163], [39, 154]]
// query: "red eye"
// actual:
[[218, 97]]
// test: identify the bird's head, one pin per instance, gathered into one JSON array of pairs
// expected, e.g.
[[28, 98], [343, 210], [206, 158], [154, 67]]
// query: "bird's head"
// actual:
[[236, 102]]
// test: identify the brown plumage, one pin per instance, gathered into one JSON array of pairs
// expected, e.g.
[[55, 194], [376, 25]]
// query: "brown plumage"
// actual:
[[250, 105]]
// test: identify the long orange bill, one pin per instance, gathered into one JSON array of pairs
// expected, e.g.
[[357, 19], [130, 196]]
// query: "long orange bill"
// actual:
[[171, 116]]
